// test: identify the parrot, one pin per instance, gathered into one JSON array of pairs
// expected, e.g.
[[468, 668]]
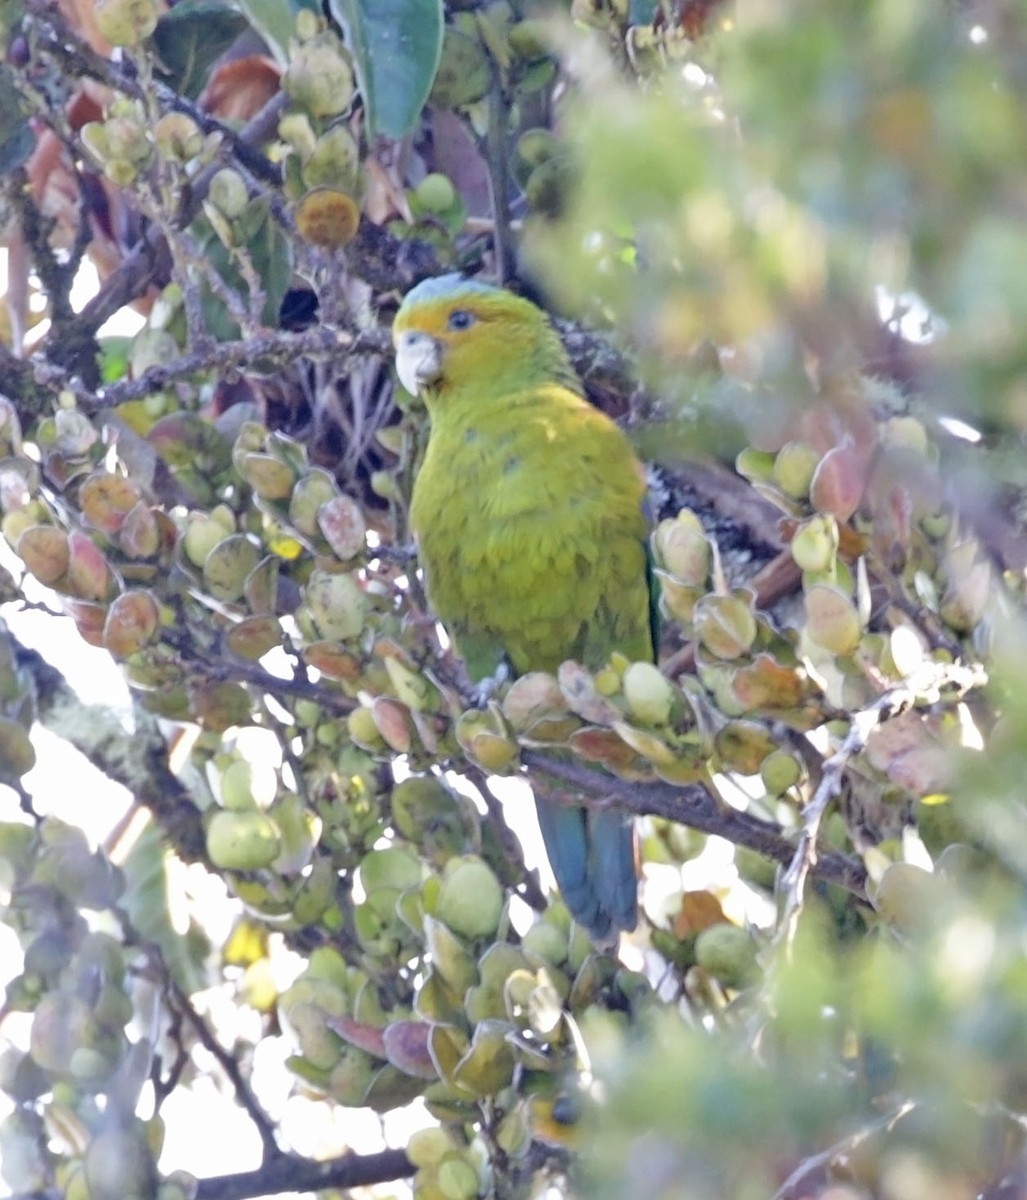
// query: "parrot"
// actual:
[[529, 514]]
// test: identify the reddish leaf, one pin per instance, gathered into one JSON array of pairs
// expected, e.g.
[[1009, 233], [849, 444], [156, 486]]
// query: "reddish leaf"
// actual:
[[341, 520], [907, 749], [765, 683], [333, 660], [140, 534], [89, 619], [838, 483], [219, 706], [406, 1047], [89, 575], [239, 89], [106, 500], [359, 1033], [393, 722], [252, 638], [132, 620], [602, 746], [44, 551]]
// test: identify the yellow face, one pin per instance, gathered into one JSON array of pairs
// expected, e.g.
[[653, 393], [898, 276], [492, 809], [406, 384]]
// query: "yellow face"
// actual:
[[452, 331]]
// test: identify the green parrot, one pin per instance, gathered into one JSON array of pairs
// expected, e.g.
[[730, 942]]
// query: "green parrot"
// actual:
[[529, 513]]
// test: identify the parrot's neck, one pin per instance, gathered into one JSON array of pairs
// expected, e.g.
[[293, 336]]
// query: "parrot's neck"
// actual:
[[522, 376], [471, 427]]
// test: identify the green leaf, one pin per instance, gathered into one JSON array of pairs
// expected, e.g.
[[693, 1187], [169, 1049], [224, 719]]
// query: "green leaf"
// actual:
[[114, 357], [396, 46], [275, 20], [191, 37], [17, 754], [17, 141], [145, 900]]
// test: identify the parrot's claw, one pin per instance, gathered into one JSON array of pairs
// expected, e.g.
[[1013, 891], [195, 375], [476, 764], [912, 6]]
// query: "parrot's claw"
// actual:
[[486, 688]]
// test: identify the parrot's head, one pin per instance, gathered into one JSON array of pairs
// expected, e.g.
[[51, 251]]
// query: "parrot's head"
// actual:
[[452, 333]]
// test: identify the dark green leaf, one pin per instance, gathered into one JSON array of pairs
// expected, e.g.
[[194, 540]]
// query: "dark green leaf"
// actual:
[[17, 140], [396, 46], [191, 37]]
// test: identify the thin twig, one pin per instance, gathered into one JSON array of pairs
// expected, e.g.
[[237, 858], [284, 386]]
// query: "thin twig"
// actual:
[[532, 891], [79, 59], [927, 682], [137, 269], [796, 1186], [496, 159], [230, 1065], [275, 685], [274, 346], [804, 860]]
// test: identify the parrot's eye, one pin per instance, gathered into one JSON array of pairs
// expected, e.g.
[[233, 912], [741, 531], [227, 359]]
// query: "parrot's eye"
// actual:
[[460, 318]]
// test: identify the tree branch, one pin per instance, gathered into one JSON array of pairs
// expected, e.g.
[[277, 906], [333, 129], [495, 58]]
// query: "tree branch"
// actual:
[[290, 1174], [276, 346], [693, 805], [137, 760]]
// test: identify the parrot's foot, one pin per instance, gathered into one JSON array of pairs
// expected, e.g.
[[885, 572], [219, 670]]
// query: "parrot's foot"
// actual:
[[486, 688]]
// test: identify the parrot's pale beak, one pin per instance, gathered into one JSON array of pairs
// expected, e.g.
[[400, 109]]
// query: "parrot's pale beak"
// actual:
[[418, 360]]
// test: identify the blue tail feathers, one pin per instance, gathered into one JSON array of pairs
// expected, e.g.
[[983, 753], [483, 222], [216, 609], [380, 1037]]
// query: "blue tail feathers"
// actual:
[[592, 854]]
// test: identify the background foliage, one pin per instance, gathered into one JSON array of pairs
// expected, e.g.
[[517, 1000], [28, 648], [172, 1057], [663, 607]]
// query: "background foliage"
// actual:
[[784, 244]]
